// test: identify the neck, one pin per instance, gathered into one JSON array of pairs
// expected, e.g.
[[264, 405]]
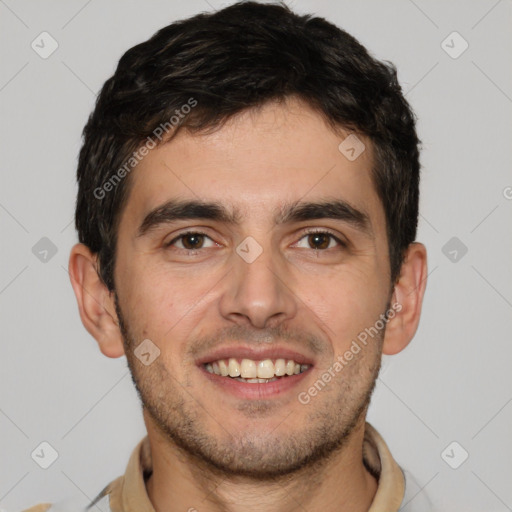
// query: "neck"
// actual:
[[179, 482]]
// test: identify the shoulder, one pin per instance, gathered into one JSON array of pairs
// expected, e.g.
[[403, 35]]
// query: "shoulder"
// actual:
[[71, 504]]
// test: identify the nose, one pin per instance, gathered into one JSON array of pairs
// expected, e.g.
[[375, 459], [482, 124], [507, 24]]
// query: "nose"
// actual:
[[258, 292]]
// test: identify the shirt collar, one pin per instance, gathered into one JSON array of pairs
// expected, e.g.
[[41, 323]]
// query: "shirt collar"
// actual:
[[128, 492]]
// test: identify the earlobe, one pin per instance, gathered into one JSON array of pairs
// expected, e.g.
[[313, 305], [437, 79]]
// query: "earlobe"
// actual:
[[95, 302], [408, 297]]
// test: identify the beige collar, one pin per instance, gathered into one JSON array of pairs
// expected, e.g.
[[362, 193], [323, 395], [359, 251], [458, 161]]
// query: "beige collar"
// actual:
[[128, 493]]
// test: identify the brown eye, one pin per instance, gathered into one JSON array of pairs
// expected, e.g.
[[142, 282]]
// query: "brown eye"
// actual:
[[192, 241], [319, 240]]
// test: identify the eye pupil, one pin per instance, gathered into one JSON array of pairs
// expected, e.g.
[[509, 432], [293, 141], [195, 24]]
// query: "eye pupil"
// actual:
[[191, 237], [319, 238]]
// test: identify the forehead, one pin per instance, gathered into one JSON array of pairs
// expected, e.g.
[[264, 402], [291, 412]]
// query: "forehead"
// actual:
[[256, 163]]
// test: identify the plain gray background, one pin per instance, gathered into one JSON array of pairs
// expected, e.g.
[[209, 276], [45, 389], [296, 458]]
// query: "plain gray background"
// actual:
[[452, 384]]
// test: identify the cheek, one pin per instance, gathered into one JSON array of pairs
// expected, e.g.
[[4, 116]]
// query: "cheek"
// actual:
[[349, 303], [148, 301], [163, 306]]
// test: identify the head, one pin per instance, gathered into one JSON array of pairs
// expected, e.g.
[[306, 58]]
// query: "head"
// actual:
[[290, 157]]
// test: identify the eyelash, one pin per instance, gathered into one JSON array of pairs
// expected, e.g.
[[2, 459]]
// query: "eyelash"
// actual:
[[309, 232]]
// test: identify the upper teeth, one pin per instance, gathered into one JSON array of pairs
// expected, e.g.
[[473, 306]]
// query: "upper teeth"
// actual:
[[249, 369]]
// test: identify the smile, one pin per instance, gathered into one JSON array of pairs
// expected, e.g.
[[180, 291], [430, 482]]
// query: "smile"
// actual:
[[254, 371]]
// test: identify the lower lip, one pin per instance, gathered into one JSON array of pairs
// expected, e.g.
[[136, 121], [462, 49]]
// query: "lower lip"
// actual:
[[256, 390]]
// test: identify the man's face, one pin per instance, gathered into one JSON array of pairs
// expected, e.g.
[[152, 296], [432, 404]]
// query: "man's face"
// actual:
[[259, 286]]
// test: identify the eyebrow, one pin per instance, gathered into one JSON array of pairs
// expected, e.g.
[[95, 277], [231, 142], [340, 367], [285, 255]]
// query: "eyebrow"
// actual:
[[175, 210], [336, 209]]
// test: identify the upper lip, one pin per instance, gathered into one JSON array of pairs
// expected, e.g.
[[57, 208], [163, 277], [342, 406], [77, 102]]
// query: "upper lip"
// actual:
[[241, 352]]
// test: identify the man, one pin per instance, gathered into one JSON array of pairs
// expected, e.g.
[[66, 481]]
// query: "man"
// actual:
[[247, 212]]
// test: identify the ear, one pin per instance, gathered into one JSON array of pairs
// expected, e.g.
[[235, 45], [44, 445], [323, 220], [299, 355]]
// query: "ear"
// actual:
[[408, 297], [95, 301]]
